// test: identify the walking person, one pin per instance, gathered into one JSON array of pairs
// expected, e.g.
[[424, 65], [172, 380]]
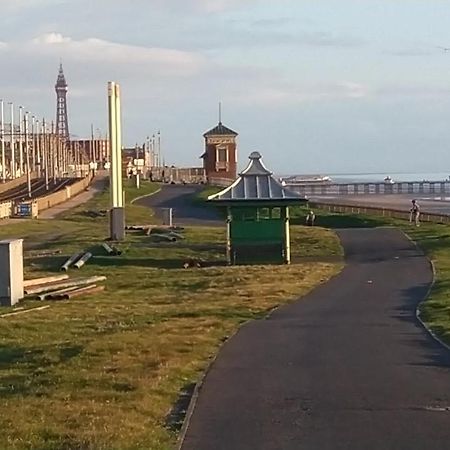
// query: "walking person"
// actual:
[[310, 218], [414, 213]]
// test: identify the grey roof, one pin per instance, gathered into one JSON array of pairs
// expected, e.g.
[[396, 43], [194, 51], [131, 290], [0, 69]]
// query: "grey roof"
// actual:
[[220, 129], [256, 183]]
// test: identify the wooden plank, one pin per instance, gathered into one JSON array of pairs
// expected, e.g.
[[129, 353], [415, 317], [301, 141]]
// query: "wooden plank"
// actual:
[[24, 311], [44, 280]]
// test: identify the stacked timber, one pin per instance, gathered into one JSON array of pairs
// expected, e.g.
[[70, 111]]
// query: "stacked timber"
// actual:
[[60, 287]]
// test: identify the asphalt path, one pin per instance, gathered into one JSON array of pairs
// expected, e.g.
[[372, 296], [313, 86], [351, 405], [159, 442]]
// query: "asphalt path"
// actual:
[[185, 211], [346, 367]]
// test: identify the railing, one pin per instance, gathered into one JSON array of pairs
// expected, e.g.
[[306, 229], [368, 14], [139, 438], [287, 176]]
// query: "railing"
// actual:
[[220, 181], [374, 211]]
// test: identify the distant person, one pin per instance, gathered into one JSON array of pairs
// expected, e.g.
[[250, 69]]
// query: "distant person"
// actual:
[[414, 213], [310, 218]]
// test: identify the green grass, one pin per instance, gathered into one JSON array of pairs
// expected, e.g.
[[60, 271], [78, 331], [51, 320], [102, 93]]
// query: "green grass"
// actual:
[[103, 372], [434, 239]]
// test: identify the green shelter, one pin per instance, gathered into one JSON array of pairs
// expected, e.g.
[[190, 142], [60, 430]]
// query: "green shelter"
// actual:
[[257, 216]]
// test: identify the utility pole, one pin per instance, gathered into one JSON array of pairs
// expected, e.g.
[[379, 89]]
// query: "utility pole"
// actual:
[[33, 143], [2, 138], [45, 152], [20, 140], [38, 149], [159, 147], [12, 143], [27, 155], [53, 152], [92, 156]]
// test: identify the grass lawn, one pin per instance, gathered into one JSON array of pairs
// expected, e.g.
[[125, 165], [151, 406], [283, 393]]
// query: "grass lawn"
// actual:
[[434, 239], [103, 372]]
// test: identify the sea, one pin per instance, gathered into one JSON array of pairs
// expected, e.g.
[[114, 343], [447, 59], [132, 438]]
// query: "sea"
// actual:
[[379, 177]]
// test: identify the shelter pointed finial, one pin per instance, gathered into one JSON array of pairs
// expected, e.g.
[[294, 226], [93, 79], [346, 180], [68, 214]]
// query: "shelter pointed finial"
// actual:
[[220, 113]]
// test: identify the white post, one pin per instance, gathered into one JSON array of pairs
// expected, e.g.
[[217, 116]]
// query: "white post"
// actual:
[[117, 213], [118, 153]]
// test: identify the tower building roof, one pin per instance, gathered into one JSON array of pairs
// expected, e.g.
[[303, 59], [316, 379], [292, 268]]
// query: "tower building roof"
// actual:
[[220, 129]]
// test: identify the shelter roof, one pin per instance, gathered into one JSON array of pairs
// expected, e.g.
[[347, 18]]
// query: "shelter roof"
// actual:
[[256, 184]]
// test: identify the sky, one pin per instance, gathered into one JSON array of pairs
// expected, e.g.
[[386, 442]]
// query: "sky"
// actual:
[[316, 86]]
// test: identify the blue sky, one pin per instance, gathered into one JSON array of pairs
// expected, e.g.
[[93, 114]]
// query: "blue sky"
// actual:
[[318, 86]]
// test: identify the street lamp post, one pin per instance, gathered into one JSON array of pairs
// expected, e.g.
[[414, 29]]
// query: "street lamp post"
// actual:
[[12, 143], [27, 154], [20, 140], [2, 138]]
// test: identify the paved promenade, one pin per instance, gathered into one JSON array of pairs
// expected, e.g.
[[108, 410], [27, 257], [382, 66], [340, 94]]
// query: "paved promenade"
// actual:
[[348, 367], [98, 185], [185, 211]]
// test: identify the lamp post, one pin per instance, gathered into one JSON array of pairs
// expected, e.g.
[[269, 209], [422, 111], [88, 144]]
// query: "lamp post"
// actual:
[[45, 152], [27, 154], [2, 138], [20, 140], [12, 143]]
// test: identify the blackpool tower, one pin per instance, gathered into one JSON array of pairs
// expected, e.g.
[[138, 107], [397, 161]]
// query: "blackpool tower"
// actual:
[[62, 123]]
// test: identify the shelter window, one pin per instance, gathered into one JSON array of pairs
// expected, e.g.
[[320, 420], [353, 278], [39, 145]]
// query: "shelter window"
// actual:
[[263, 213], [248, 215], [276, 213]]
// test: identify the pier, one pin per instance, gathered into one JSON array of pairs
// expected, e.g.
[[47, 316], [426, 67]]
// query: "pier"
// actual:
[[382, 188]]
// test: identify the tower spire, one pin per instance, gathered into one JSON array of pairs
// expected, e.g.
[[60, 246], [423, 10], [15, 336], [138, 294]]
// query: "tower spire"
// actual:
[[62, 123], [220, 112]]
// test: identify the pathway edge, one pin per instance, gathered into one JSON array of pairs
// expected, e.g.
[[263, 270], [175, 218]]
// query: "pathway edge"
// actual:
[[430, 288], [144, 196]]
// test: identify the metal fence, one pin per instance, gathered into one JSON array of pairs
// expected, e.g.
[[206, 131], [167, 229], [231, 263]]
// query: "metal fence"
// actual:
[[374, 211]]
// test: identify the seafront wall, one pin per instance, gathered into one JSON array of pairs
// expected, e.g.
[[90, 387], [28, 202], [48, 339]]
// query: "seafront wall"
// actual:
[[63, 195]]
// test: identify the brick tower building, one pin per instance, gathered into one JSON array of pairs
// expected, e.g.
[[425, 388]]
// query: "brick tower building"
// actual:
[[220, 157]]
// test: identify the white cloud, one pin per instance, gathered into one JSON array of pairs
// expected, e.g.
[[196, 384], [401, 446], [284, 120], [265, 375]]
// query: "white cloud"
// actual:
[[279, 94], [205, 6], [51, 38], [161, 61], [21, 5]]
